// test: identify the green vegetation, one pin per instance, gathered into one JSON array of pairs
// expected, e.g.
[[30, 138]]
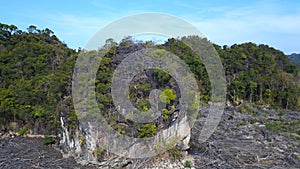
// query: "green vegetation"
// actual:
[[280, 126], [163, 77], [265, 76], [175, 153], [48, 140], [23, 131], [147, 130], [98, 151], [295, 58], [36, 69], [143, 104], [82, 141], [187, 164], [36, 77], [167, 96], [120, 130], [243, 123], [145, 86], [165, 113]]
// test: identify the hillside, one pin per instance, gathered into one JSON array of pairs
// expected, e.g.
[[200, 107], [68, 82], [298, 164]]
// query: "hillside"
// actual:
[[36, 88], [295, 58], [35, 77]]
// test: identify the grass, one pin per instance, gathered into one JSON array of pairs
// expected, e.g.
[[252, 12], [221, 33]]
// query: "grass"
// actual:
[[175, 153], [98, 151], [280, 126], [23, 131]]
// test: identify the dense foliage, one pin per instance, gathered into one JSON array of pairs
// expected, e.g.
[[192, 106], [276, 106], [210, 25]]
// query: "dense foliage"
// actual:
[[260, 74], [36, 74], [35, 68], [295, 58]]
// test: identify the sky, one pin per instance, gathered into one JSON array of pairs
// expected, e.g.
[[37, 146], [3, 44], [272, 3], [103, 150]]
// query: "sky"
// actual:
[[276, 23]]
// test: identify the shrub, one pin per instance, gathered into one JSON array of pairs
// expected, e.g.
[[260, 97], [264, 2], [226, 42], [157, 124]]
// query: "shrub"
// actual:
[[175, 153], [165, 113], [143, 104], [167, 95], [23, 131], [48, 140], [145, 86], [120, 130], [82, 141], [98, 151], [162, 76], [148, 130], [187, 164]]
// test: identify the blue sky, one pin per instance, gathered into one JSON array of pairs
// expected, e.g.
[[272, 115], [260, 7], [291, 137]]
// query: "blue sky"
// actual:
[[276, 23]]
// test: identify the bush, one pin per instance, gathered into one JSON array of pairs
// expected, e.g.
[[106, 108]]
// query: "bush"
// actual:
[[82, 141], [143, 104], [165, 113], [246, 108], [98, 151], [144, 87], [148, 130], [167, 95], [175, 153], [48, 140], [187, 164], [162, 76], [23, 131]]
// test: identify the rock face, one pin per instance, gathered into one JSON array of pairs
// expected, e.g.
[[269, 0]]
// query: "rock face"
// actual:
[[183, 132], [83, 146], [114, 131]]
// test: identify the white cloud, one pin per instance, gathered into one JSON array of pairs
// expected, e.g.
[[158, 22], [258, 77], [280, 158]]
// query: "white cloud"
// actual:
[[243, 25], [221, 24]]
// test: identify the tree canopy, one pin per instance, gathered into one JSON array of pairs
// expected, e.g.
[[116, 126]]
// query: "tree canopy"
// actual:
[[36, 76]]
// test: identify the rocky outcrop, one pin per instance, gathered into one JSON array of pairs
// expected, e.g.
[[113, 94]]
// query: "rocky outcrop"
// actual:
[[83, 146]]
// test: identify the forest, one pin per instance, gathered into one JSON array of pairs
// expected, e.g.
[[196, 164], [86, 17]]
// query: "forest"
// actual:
[[36, 77], [295, 58]]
